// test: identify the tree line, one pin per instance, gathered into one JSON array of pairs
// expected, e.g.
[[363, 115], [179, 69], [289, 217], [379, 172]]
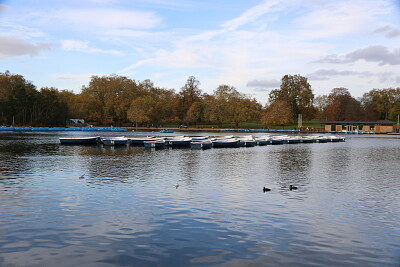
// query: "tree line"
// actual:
[[118, 100]]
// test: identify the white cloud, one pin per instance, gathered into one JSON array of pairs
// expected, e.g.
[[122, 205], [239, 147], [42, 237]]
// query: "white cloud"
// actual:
[[12, 46], [390, 32], [12, 29], [110, 18], [375, 53], [3, 8], [336, 18], [83, 46], [250, 15], [264, 83], [326, 74], [74, 77]]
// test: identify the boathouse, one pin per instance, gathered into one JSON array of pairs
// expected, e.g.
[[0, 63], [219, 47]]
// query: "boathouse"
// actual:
[[359, 126]]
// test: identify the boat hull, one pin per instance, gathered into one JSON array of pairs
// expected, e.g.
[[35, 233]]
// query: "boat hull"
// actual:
[[154, 144], [80, 141], [201, 145], [179, 143], [225, 144]]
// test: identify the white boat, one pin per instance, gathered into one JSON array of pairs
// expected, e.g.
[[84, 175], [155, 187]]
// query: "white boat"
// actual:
[[294, 139], [80, 140], [115, 141], [322, 139], [178, 141], [279, 139], [157, 143], [198, 138], [308, 139], [263, 140], [333, 138], [140, 140], [201, 144], [247, 141], [225, 142]]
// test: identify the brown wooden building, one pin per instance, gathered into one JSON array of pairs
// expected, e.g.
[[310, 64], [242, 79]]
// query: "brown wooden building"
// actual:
[[359, 126]]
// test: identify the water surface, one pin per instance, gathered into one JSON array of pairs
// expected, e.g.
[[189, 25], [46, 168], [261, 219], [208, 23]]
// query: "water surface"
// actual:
[[126, 210]]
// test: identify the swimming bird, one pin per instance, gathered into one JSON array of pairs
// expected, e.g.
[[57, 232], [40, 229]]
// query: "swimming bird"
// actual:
[[82, 176], [293, 187], [265, 189]]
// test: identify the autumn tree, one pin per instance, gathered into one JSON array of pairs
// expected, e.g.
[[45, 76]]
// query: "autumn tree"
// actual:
[[213, 110], [229, 105], [321, 102], [189, 94], [51, 110], [342, 106], [297, 93], [277, 113], [112, 95], [195, 113], [166, 101], [381, 101], [141, 109], [80, 106], [17, 97]]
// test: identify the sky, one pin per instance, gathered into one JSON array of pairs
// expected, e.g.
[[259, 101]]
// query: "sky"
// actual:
[[248, 44]]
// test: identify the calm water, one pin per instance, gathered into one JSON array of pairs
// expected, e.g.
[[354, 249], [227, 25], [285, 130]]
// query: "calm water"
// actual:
[[126, 210]]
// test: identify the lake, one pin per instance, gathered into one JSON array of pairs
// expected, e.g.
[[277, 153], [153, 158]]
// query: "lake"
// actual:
[[127, 211]]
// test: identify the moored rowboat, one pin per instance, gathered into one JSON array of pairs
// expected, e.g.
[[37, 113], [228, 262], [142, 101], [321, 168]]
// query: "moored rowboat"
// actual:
[[80, 140]]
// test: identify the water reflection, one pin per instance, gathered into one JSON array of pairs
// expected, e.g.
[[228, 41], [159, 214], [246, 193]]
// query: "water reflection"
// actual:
[[126, 210]]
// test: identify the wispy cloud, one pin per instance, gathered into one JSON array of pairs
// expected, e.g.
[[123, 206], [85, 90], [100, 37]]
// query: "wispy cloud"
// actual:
[[74, 77], [111, 18], [327, 19], [194, 51], [250, 15], [83, 46], [12, 46], [12, 29]]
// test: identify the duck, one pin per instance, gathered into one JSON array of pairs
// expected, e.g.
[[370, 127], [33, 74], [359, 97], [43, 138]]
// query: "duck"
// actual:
[[265, 189], [293, 187]]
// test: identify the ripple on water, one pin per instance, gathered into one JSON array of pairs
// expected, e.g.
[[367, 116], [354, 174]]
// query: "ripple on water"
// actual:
[[126, 210]]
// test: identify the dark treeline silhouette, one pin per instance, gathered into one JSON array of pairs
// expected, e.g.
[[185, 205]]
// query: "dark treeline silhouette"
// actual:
[[118, 100]]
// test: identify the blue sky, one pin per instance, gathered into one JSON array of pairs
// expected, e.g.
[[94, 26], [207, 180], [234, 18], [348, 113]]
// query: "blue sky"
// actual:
[[247, 44]]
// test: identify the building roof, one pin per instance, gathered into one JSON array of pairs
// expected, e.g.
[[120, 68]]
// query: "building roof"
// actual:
[[360, 122]]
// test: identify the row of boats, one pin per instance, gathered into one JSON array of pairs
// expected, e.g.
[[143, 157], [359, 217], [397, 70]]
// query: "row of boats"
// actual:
[[204, 141]]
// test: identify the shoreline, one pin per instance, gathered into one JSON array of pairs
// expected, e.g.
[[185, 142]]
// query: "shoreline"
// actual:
[[189, 129]]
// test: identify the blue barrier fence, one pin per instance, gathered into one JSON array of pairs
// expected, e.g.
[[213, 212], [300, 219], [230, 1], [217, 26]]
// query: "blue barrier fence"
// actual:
[[52, 129]]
